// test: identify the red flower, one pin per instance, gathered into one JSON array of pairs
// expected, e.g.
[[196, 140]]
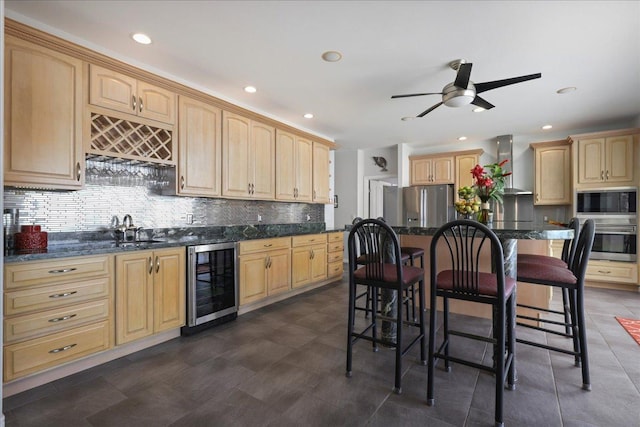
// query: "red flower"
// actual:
[[477, 171]]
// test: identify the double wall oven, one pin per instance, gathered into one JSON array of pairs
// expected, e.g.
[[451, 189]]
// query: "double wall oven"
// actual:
[[615, 213]]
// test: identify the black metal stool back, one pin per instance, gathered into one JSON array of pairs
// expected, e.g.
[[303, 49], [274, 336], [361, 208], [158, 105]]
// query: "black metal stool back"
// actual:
[[460, 275]]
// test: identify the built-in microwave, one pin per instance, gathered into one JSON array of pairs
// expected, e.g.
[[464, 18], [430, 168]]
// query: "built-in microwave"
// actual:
[[608, 202]]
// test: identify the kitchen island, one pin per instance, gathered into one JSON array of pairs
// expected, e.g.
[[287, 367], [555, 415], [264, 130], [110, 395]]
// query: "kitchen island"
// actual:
[[516, 236]]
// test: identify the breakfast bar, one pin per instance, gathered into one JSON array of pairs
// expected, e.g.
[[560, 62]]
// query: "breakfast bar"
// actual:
[[516, 236]]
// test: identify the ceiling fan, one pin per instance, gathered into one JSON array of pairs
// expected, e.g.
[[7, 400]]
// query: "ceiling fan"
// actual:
[[462, 91]]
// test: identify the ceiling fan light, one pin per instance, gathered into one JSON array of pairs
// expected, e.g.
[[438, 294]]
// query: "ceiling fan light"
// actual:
[[459, 98]]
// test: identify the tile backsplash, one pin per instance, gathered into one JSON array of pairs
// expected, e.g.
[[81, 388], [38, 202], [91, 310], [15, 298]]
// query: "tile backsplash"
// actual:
[[94, 208]]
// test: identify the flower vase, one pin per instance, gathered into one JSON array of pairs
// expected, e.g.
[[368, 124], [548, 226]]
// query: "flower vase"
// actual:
[[484, 215]]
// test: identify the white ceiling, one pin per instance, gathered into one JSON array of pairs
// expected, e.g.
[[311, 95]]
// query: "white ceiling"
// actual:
[[388, 47]]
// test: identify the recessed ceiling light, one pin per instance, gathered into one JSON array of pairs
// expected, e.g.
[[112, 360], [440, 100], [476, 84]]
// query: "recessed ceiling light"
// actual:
[[545, 127], [332, 56], [308, 116], [250, 89], [478, 110], [462, 138], [405, 119], [141, 38], [566, 90]]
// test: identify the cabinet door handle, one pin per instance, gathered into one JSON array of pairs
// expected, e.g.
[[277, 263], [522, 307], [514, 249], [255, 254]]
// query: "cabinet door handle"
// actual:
[[157, 263], [312, 254], [150, 265], [133, 103], [268, 262], [65, 348], [62, 295], [78, 171], [60, 319], [607, 175], [268, 246], [63, 270], [314, 194], [140, 109], [182, 182], [602, 175]]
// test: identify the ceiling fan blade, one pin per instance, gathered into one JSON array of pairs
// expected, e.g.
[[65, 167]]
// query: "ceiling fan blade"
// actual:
[[416, 94], [462, 78], [483, 87], [424, 113], [482, 103]]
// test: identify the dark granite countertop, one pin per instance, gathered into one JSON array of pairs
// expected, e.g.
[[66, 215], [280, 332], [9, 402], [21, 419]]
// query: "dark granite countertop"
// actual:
[[70, 244], [520, 230]]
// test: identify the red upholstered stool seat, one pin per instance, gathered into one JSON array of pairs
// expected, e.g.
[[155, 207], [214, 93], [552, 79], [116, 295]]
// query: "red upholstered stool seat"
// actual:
[[542, 260], [487, 282], [545, 274]]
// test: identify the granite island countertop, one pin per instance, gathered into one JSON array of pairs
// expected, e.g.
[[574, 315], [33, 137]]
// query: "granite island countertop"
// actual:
[[520, 230], [70, 244]]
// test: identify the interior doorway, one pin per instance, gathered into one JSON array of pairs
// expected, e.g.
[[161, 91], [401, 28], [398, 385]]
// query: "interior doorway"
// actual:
[[374, 195]]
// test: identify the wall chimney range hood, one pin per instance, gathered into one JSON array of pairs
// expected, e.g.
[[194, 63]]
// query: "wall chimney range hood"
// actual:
[[504, 144]]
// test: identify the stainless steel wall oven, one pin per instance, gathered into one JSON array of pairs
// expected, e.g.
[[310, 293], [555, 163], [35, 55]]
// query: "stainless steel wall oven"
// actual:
[[615, 213], [212, 295]]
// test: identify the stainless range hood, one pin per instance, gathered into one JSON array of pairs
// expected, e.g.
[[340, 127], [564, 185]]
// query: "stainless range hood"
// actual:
[[504, 145]]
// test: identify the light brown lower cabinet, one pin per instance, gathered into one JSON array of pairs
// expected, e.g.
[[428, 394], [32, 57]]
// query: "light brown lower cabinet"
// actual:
[[56, 311], [150, 292], [335, 250], [309, 259], [264, 268]]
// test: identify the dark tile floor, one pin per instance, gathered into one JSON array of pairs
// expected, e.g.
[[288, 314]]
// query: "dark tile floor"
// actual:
[[284, 365]]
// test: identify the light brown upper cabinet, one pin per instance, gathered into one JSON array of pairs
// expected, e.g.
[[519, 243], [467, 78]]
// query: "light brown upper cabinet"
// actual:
[[248, 158], [321, 190], [200, 149], [430, 170], [294, 163], [552, 171], [43, 117], [606, 159], [119, 92], [465, 161]]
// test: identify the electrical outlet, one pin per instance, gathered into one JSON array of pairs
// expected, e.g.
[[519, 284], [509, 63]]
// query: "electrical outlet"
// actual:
[[189, 218], [308, 217], [259, 218]]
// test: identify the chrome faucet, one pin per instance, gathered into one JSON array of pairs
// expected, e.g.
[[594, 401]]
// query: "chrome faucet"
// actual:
[[125, 223], [127, 229]]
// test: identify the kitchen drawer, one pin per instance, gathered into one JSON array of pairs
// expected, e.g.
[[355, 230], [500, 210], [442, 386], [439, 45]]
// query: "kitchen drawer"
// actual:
[[334, 256], [335, 268], [50, 321], [43, 272], [308, 239], [261, 245], [34, 355], [335, 247], [611, 271], [335, 237], [48, 297]]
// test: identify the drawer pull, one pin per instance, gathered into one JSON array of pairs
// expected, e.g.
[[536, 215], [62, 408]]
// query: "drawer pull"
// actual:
[[65, 348], [63, 270], [268, 246], [62, 295], [60, 319], [604, 271]]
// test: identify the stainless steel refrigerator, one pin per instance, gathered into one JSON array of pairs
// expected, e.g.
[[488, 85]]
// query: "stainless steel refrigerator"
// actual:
[[427, 205]]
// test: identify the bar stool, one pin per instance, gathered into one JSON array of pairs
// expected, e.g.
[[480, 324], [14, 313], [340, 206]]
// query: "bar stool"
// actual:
[[459, 278], [383, 270], [568, 252], [571, 279]]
